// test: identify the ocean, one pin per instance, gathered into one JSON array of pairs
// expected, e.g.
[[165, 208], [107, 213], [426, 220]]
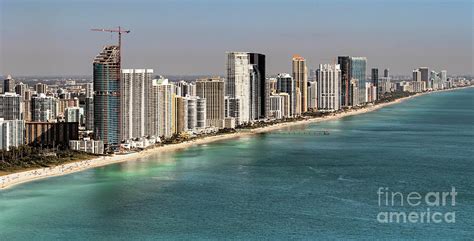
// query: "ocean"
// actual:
[[293, 183]]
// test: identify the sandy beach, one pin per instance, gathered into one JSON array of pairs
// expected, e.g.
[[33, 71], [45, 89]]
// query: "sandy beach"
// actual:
[[10, 180]]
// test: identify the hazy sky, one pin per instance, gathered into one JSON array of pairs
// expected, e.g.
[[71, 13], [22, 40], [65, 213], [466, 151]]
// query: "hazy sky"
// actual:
[[52, 37]]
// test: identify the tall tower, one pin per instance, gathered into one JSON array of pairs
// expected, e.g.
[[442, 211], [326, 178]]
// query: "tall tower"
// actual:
[[259, 93], [238, 85], [358, 71], [329, 84], [345, 65], [134, 88], [375, 79], [300, 75], [106, 75], [212, 89]]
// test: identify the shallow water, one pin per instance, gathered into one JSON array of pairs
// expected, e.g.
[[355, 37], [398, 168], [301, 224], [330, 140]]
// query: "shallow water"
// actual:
[[278, 185]]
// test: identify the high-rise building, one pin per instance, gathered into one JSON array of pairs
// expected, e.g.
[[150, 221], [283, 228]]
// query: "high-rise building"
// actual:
[[11, 106], [358, 71], [424, 73], [259, 90], [386, 73], [444, 76], [135, 84], [8, 84], [20, 89], [41, 88], [300, 75], [180, 114], [238, 85], [43, 108], [286, 84], [107, 111], [160, 108], [345, 64], [276, 106], [329, 84], [11, 133], [74, 114], [51, 134], [416, 75], [375, 79], [184, 88], [212, 89], [313, 95]]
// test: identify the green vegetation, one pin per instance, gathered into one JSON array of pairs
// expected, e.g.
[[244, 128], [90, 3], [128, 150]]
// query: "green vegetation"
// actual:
[[389, 97], [26, 157]]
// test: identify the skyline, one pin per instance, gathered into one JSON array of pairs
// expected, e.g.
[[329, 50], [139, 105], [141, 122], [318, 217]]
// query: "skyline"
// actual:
[[176, 45]]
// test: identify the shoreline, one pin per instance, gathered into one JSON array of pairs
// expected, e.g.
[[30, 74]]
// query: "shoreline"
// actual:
[[13, 179]]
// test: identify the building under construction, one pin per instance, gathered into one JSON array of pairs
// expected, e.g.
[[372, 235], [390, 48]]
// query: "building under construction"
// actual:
[[107, 95]]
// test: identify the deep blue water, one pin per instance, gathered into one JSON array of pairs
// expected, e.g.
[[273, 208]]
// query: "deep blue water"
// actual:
[[272, 186]]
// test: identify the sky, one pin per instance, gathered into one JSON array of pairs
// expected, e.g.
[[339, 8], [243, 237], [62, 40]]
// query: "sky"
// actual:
[[190, 37]]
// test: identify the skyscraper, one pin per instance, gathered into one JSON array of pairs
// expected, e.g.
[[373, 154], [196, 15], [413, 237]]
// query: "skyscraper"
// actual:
[[386, 73], [12, 133], [10, 106], [212, 89], [89, 107], [329, 84], [43, 108], [8, 84], [358, 71], [107, 111], [416, 75], [286, 84], [345, 64], [259, 91], [134, 88], [160, 108], [41, 88], [300, 75], [375, 80], [313, 94], [238, 85]]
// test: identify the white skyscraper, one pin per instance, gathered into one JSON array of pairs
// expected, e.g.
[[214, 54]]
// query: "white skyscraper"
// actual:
[[238, 85], [134, 89], [329, 82], [160, 108], [11, 133]]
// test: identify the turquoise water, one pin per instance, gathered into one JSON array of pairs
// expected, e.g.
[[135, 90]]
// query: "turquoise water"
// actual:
[[271, 186]]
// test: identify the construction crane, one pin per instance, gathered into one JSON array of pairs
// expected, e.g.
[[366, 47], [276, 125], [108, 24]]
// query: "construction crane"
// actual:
[[119, 31]]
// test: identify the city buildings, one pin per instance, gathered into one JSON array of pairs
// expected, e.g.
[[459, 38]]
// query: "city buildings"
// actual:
[[259, 90], [312, 95], [87, 145], [43, 108], [160, 108], [212, 89], [11, 106], [358, 71], [286, 84], [329, 87], [135, 84], [300, 75], [238, 86], [8, 84], [107, 112], [41, 88], [51, 134], [11, 133], [74, 114], [345, 65], [375, 79]]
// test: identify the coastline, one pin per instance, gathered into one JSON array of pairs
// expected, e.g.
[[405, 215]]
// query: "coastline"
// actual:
[[13, 179]]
